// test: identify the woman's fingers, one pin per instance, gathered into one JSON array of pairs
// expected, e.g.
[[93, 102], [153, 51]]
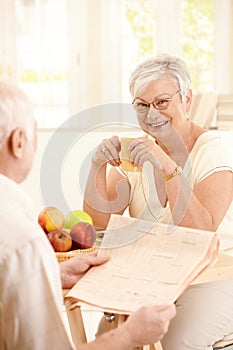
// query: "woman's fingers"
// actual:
[[142, 150], [108, 151]]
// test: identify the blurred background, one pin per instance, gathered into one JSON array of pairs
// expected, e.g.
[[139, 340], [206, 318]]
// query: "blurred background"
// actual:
[[70, 55]]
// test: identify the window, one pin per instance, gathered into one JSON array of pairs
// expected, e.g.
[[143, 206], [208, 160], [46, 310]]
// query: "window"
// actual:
[[197, 41], [138, 37], [42, 57], [71, 55], [143, 35]]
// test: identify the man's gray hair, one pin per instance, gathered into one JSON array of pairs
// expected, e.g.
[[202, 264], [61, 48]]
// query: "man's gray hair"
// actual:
[[151, 69], [16, 110]]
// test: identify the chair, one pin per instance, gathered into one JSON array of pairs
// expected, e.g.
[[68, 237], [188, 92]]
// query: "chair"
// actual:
[[193, 108], [203, 110], [107, 324], [225, 343], [225, 112]]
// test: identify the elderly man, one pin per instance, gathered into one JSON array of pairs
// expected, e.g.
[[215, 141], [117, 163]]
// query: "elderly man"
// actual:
[[31, 280]]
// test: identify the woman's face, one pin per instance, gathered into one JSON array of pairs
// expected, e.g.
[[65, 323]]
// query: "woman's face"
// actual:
[[161, 123]]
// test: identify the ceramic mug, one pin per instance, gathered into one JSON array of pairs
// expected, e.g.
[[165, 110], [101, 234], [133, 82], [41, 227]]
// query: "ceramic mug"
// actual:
[[126, 165]]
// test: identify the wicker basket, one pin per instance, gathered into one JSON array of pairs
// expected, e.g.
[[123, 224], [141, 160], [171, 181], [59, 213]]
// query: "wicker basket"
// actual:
[[67, 255]]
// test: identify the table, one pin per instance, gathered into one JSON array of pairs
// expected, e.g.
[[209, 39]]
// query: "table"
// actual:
[[223, 269]]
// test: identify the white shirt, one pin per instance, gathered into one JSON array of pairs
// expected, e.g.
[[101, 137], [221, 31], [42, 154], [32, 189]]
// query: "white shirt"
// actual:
[[30, 287], [210, 154]]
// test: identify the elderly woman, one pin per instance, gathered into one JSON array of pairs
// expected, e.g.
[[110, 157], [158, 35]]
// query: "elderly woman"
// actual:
[[186, 180]]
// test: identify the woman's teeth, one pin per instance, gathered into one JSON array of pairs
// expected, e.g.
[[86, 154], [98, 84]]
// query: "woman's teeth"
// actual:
[[158, 124]]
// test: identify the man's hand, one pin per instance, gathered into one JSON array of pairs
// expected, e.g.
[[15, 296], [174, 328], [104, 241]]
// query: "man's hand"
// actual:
[[149, 324], [73, 269], [145, 326]]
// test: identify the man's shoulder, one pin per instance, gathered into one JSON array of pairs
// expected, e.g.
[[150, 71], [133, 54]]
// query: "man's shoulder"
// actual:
[[19, 229]]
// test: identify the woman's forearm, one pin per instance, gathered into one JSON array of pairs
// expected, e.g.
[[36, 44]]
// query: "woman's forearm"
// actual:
[[185, 207], [96, 201]]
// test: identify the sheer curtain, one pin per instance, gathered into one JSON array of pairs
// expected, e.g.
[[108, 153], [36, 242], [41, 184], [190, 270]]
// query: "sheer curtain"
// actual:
[[70, 55]]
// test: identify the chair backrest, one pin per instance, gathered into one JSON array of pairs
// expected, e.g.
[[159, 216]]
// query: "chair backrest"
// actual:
[[205, 110], [195, 101], [225, 112], [224, 343]]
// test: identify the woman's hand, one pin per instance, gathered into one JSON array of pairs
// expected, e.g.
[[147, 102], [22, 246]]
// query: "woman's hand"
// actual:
[[143, 149], [108, 152]]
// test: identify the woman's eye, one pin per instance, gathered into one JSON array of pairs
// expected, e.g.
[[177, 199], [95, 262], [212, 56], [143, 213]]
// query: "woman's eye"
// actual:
[[142, 105], [161, 102]]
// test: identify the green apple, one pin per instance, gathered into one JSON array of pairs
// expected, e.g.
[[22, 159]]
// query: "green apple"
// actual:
[[75, 216]]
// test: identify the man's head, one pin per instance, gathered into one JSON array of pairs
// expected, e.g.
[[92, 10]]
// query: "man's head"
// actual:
[[17, 132]]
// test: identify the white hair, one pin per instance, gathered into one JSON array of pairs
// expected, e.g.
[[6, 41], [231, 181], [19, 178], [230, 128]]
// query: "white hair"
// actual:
[[151, 69], [16, 110]]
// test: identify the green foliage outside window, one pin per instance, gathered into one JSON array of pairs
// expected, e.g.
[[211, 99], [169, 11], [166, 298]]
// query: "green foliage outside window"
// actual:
[[197, 35], [197, 41], [141, 15]]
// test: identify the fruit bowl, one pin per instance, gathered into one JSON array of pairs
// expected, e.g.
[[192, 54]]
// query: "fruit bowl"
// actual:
[[70, 235], [67, 255]]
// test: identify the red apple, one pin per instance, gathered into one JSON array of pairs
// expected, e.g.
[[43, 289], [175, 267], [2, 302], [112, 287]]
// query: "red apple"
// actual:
[[60, 240], [83, 235], [51, 218]]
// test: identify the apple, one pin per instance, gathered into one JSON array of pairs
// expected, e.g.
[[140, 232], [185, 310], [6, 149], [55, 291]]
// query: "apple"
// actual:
[[60, 240], [83, 235], [75, 216], [51, 218]]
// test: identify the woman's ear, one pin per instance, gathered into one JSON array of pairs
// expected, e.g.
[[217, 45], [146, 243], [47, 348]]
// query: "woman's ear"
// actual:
[[17, 142], [188, 100]]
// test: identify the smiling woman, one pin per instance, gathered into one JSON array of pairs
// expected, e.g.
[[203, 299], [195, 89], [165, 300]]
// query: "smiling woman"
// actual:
[[173, 141], [186, 180]]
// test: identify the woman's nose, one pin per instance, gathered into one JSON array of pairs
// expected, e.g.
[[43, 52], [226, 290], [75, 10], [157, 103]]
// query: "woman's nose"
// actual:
[[153, 112]]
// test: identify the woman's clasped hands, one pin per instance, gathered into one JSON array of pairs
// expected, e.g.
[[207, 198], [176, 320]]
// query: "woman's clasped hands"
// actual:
[[141, 150]]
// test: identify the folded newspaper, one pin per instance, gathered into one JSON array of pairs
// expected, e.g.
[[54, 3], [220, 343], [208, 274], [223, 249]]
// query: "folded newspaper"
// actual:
[[150, 263]]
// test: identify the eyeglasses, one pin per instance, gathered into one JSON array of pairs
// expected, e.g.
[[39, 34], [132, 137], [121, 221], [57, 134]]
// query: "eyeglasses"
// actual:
[[159, 103]]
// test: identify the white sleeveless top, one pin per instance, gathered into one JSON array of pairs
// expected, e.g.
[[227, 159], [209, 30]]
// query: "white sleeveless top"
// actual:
[[209, 155]]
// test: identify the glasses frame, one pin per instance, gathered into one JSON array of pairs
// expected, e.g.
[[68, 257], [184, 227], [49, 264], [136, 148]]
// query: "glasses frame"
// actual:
[[148, 104]]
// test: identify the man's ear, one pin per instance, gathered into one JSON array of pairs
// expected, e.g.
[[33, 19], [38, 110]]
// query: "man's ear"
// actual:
[[188, 100], [17, 142]]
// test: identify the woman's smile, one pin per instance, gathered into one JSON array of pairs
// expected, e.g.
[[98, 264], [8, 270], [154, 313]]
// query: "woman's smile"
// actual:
[[157, 124]]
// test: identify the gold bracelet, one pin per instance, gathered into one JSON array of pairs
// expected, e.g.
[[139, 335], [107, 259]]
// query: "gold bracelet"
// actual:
[[178, 171]]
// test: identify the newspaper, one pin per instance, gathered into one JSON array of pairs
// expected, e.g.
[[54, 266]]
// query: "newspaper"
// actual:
[[150, 263]]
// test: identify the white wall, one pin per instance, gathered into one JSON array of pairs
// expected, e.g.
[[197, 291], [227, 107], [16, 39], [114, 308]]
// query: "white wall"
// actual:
[[75, 161]]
